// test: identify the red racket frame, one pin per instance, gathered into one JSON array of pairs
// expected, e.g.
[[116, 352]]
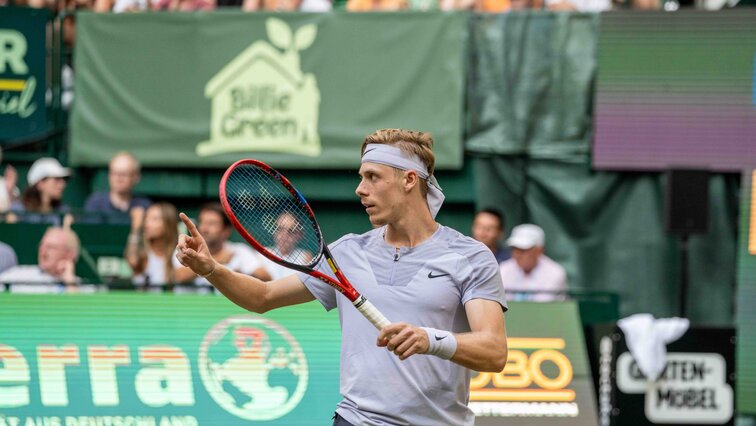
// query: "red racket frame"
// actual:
[[342, 285]]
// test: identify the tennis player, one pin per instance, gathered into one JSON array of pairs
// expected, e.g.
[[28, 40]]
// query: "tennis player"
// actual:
[[443, 288]]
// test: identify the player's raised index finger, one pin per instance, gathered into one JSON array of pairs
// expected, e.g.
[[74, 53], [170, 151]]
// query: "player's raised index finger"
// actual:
[[189, 224]]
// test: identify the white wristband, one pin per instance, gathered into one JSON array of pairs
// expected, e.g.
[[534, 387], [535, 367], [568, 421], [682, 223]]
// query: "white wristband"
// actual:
[[441, 343]]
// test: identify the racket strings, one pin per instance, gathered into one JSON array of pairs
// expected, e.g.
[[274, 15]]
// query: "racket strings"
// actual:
[[273, 216]]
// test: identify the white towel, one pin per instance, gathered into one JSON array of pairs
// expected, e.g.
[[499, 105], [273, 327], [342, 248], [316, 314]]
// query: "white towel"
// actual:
[[647, 339]]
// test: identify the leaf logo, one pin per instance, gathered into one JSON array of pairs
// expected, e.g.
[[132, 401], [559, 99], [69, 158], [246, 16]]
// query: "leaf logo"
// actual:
[[262, 101]]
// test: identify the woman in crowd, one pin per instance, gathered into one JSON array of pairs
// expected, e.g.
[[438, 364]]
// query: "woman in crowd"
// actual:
[[149, 251], [46, 182]]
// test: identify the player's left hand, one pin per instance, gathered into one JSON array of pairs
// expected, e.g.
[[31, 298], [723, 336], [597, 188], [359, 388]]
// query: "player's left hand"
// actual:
[[403, 339]]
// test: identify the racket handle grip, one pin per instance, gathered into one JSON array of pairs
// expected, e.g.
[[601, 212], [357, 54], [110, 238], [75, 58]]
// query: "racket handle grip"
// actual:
[[371, 312]]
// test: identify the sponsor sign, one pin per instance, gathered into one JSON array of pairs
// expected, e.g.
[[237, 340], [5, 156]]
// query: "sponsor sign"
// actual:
[[111, 360], [262, 101], [293, 90], [692, 389], [695, 387], [22, 72], [165, 360], [546, 377]]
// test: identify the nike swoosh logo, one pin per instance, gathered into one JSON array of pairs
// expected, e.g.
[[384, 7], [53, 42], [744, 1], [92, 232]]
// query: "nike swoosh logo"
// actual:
[[439, 338], [430, 275]]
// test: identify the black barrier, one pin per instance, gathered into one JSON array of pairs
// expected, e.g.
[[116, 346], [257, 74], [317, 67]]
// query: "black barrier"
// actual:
[[697, 386]]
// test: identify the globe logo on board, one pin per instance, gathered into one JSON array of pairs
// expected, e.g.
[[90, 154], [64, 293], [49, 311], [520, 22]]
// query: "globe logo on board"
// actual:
[[253, 367]]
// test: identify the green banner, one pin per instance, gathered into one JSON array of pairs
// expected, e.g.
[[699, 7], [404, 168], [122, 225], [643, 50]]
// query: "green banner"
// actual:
[[22, 72], [531, 79], [294, 90], [134, 359]]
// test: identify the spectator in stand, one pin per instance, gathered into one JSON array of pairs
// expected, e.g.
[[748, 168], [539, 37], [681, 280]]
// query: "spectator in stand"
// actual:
[[8, 257], [8, 189], [287, 235], [120, 6], [526, 4], [376, 5], [238, 257], [57, 256], [646, 4], [530, 274], [579, 5], [183, 5], [123, 176], [287, 5], [46, 182], [492, 6], [149, 250], [488, 228], [394, 5]]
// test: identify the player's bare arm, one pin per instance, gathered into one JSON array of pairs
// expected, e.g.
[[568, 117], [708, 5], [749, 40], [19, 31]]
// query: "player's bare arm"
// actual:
[[246, 291], [484, 348]]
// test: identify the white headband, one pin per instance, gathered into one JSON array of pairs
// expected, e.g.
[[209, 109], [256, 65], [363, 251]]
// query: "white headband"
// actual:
[[394, 157]]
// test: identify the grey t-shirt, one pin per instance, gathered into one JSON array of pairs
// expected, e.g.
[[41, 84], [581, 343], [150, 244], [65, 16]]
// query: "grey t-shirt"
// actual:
[[426, 286]]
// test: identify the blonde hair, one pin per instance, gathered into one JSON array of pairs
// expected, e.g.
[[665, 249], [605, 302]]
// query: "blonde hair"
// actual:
[[410, 142]]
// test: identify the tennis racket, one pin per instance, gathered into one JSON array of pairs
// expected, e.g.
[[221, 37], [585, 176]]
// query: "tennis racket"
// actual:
[[273, 217]]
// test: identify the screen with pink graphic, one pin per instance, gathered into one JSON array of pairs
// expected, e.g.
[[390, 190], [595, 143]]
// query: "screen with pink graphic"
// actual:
[[676, 90]]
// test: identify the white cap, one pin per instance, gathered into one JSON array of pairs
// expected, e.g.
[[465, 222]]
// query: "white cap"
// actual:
[[45, 168], [526, 236]]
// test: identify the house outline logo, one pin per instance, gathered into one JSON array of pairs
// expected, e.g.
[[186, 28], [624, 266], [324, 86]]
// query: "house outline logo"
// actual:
[[262, 101]]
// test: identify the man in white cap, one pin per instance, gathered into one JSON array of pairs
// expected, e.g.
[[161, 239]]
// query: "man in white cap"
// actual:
[[444, 287], [530, 274]]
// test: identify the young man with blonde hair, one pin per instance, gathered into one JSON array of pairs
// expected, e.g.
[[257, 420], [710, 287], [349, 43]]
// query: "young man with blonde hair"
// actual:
[[443, 289]]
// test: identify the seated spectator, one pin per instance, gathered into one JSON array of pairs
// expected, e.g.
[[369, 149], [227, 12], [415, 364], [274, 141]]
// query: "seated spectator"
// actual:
[[238, 257], [287, 235], [123, 176], [376, 5], [492, 6], [183, 5], [42, 200], [450, 5], [8, 190], [55, 268], [579, 5], [530, 274], [526, 4], [8, 257], [119, 6], [288, 5], [195, 5], [149, 250], [488, 228]]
